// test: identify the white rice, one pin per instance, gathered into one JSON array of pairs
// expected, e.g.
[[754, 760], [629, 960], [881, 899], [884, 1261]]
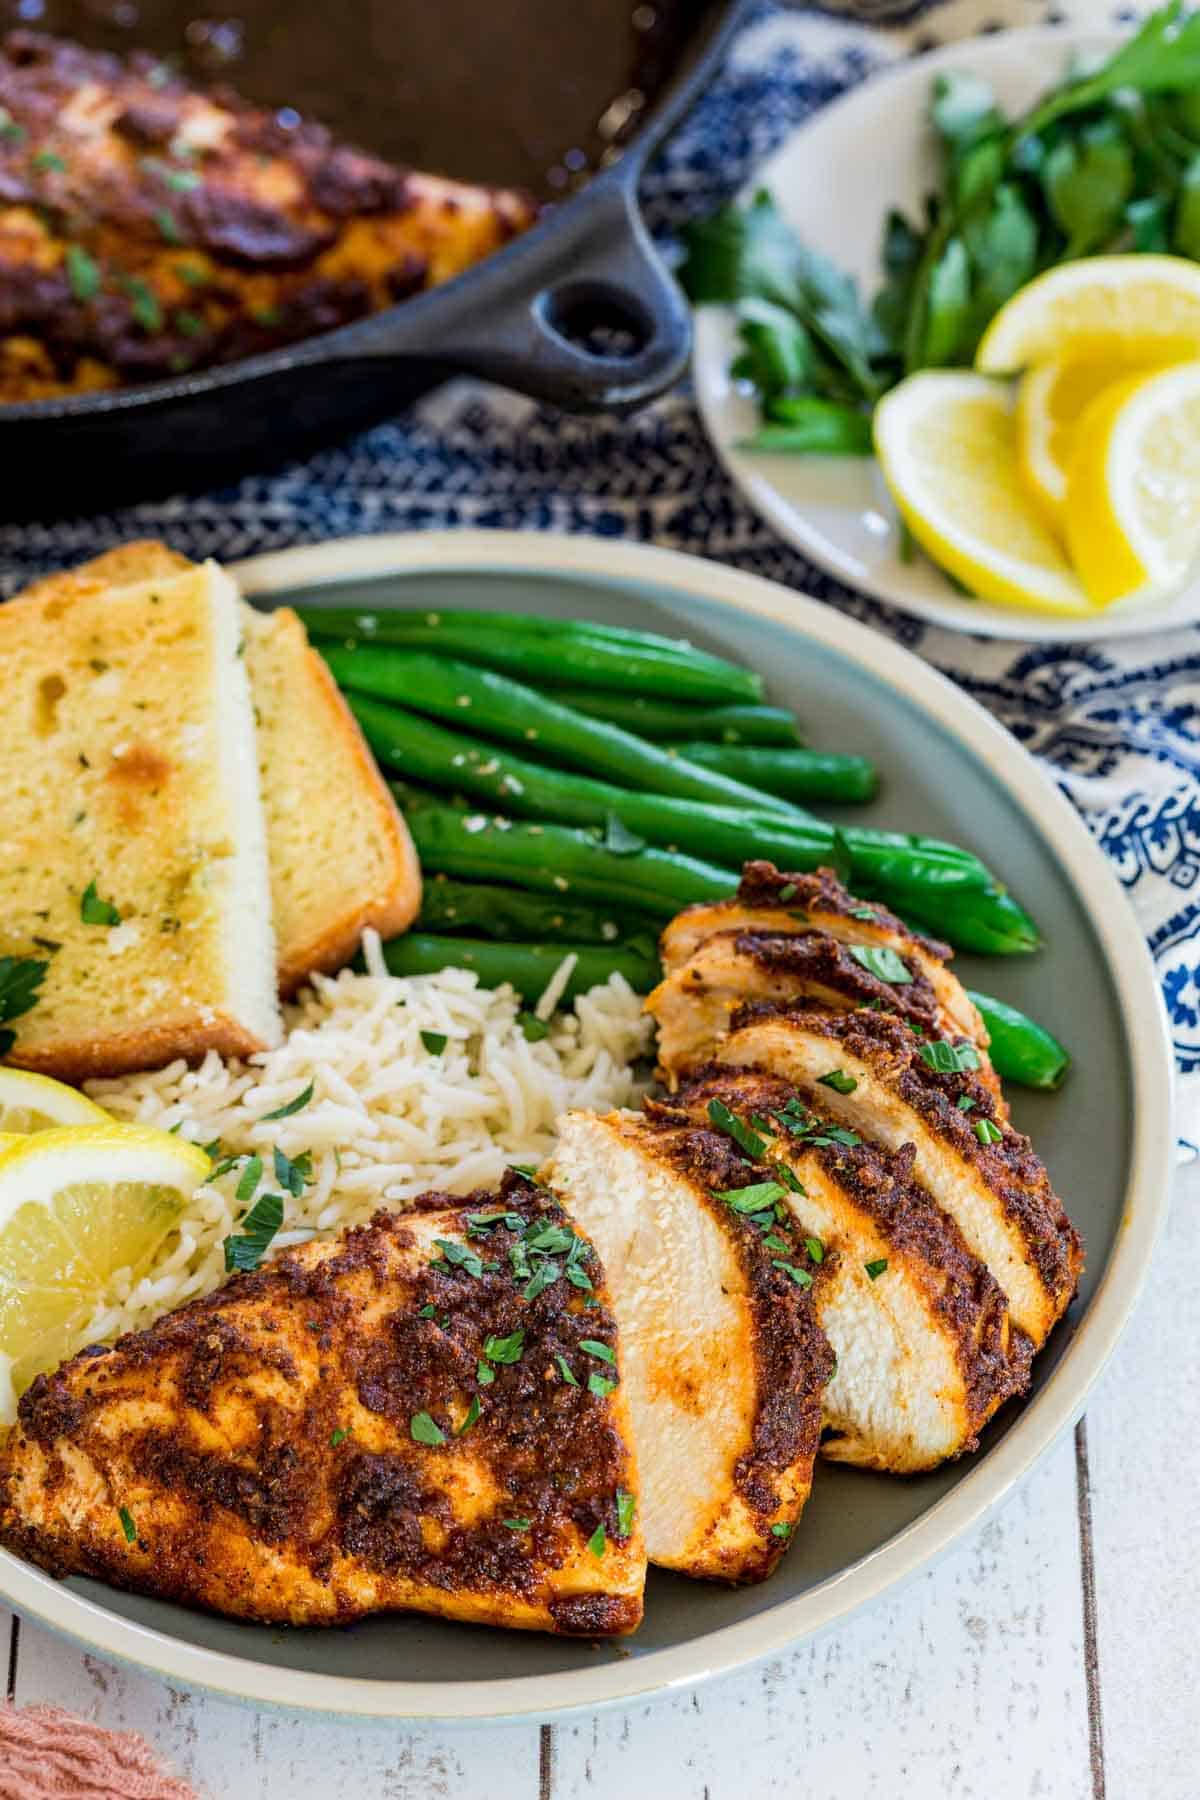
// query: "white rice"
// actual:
[[389, 1118]]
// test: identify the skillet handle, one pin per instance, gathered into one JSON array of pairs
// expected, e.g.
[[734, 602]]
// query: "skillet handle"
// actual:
[[606, 327]]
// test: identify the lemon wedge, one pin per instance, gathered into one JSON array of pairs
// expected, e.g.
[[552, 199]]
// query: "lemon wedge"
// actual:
[[946, 442], [1133, 486], [1141, 308], [1051, 399], [79, 1204], [31, 1102]]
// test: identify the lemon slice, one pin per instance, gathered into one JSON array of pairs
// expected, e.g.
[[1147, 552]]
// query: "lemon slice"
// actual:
[[1145, 308], [77, 1205], [1133, 489], [946, 443], [35, 1103], [1051, 399]]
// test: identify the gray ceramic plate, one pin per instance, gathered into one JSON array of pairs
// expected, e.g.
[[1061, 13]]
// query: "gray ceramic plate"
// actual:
[[1107, 1138]]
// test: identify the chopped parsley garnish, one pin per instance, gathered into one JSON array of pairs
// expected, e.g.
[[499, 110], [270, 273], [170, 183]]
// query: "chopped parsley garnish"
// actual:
[[987, 1132], [542, 1277], [565, 1370], [181, 180], [964, 1103], [83, 272], [459, 1256], [577, 1276], [250, 1177], [602, 1352], [222, 1168], [292, 1174], [338, 1437], [789, 1179], [190, 324], [127, 1525], [752, 1199], [434, 1041], [839, 1081], [145, 308], [293, 1106], [801, 1277], [865, 912], [49, 161], [428, 1312], [528, 1170], [478, 1222], [533, 1029], [782, 1529], [484, 1374], [10, 131], [725, 1121], [945, 1058], [598, 1542], [515, 1524], [505, 1349], [875, 1269], [600, 1384], [882, 961], [549, 1238], [618, 840], [815, 1248], [20, 979], [168, 226], [787, 892], [797, 1121], [472, 1418], [191, 275], [626, 1511], [95, 911], [246, 1250], [426, 1430]]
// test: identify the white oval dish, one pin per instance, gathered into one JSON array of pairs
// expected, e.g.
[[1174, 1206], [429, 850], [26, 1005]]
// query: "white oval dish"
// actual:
[[1109, 1136], [835, 180]]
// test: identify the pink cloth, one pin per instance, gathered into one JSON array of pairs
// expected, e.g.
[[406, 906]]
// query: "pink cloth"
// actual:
[[47, 1754]]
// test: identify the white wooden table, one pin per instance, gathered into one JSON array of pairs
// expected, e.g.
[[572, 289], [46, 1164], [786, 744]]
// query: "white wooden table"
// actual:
[[1051, 1655]]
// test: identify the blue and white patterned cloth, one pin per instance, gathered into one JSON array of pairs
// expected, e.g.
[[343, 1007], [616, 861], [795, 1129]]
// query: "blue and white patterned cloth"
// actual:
[[1118, 726]]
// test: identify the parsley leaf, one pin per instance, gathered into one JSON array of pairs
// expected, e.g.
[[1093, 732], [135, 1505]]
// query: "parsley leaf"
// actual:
[[882, 961], [459, 1256], [533, 1029], [516, 1524], [83, 272], [726, 1122], [600, 1384], [839, 1081], [945, 1058], [246, 1250], [250, 1178], [781, 1530], [434, 1041], [20, 979], [292, 1175], [338, 1437], [752, 1199], [801, 1277], [598, 1542], [565, 1370], [987, 1132], [603, 1352], [293, 1106], [626, 1511], [505, 1349], [472, 1416], [426, 1430], [964, 1103], [875, 1269], [127, 1525], [95, 911]]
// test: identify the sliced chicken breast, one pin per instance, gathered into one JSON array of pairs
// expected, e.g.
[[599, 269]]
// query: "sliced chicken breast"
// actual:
[[424, 1413], [921, 1332], [895, 1090], [781, 904], [693, 1005], [723, 1359]]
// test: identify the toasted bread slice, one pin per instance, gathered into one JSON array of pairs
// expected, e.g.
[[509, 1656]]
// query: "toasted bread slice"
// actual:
[[340, 854], [363, 1425], [721, 1352], [967, 1156], [921, 1332], [132, 844], [341, 857]]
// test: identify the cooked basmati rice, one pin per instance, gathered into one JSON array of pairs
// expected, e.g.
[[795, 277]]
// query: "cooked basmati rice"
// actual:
[[389, 1117]]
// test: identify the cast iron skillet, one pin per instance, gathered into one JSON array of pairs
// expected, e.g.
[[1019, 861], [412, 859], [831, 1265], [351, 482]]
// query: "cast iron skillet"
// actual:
[[580, 312]]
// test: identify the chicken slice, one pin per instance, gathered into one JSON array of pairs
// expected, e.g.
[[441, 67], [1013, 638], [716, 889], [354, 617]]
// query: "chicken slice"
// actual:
[[723, 1359], [768, 900], [401, 1418], [925, 1351], [694, 1005], [984, 1174]]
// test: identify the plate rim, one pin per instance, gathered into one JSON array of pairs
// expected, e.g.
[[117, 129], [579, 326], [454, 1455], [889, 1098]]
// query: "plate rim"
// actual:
[[1045, 1418], [982, 618]]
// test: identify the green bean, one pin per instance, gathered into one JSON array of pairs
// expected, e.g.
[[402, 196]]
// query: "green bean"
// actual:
[[494, 706], [512, 914], [789, 774], [528, 967], [730, 835], [554, 859], [665, 720], [991, 923], [1022, 1050], [603, 657]]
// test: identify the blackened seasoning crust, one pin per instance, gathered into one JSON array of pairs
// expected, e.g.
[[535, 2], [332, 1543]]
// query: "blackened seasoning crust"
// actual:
[[147, 227], [274, 1439]]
